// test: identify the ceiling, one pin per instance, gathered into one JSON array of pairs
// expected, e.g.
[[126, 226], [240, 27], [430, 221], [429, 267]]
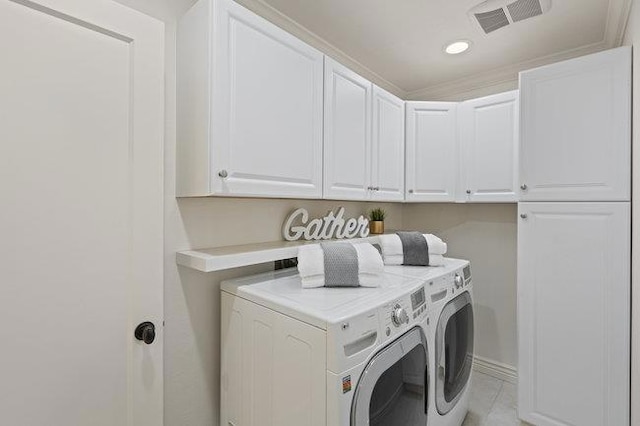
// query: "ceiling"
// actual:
[[402, 40], [398, 44]]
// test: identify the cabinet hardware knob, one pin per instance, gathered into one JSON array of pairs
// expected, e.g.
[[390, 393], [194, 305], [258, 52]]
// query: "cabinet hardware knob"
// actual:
[[523, 187], [369, 188], [468, 191], [377, 188], [223, 174], [411, 191], [523, 216]]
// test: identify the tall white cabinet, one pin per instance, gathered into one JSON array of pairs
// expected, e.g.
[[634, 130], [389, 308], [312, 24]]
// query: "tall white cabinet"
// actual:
[[431, 151], [573, 313], [574, 249], [249, 106], [575, 129], [489, 149]]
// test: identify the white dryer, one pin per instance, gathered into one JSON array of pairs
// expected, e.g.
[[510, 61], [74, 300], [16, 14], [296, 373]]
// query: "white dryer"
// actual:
[[450, 294], [326, 356]]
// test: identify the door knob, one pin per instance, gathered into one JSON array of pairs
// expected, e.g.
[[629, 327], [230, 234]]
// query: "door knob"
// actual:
[[146, 332]]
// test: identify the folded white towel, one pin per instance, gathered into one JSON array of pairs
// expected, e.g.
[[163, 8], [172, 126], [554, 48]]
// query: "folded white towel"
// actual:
[[434, 260], [311, 265], [392, 245]]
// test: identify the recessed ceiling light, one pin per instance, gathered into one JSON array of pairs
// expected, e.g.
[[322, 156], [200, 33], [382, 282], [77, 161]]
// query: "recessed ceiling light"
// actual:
[[457, 47]]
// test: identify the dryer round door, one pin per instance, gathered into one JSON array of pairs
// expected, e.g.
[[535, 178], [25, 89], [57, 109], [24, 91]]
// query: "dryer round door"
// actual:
[[393, 388], [454, 351]]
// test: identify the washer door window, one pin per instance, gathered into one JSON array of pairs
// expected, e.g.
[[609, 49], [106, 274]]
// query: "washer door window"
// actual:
[[454, 351], [392, 390]]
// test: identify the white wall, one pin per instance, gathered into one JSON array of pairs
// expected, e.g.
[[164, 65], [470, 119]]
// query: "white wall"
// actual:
[[485, 234], [632, 37]]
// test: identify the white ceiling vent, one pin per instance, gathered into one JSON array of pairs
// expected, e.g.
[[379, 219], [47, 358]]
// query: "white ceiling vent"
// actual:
[[492, 15]]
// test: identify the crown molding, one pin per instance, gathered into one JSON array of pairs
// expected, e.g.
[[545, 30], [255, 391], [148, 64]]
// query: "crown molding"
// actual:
[[498, 76], [617, 17], [276, 17]]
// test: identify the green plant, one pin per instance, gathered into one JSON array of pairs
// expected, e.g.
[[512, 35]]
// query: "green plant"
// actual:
[[377, 215]]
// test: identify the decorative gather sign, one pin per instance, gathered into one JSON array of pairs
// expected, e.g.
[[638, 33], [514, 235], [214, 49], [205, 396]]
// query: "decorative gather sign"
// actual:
[[333, 225]]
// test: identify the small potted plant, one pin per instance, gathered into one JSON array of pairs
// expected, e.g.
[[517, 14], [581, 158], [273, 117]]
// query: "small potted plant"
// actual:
[[376, 221]]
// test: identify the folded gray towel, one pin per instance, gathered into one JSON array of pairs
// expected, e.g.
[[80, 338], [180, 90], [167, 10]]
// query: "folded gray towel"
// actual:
[[340, 265], [414, 248]]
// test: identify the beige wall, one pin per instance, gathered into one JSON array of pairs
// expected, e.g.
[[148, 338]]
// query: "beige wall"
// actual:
[[632, 37], [485, 234]]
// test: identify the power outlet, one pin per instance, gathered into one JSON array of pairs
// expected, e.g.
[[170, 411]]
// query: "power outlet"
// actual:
[[285, 263]]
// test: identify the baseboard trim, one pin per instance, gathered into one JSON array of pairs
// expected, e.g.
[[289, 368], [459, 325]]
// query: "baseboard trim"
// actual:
[[501, 371]]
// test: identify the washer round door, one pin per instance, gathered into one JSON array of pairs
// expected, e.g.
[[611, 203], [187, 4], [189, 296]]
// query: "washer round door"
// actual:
[[454, 351], [393, 388]]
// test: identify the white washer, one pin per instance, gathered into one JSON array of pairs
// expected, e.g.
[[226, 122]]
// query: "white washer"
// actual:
[[375, 369], [450, 294]]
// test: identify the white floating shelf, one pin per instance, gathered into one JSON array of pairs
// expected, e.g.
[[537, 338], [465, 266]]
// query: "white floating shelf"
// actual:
[[220, 258]]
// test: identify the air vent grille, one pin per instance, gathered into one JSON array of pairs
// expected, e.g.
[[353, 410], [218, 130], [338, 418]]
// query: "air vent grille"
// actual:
[[492, 20], [524, 9]]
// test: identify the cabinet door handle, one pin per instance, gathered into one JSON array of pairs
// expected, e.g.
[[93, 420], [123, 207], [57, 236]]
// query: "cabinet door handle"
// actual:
[[469, 191], [411, 191], [523, 187], [523, 216], [223, 174]]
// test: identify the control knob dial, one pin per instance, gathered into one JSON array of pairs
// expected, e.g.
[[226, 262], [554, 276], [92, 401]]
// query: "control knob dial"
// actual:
[[399, 316], [457, 280]]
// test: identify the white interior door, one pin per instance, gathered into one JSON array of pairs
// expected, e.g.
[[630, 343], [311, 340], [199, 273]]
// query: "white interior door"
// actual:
[[81, 110], [573, 313]]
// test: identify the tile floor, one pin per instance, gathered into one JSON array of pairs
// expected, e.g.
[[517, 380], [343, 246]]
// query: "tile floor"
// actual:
[[493, 403]]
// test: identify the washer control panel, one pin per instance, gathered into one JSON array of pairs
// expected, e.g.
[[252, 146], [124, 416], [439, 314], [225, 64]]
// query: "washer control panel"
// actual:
[[403, 313]]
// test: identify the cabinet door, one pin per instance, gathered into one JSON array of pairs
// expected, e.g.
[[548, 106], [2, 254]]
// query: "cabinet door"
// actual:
[[575, 129], [347, 133], [273, 368], [573, 313], [267, 109], [387, 177], [431, 163], [488, 148]]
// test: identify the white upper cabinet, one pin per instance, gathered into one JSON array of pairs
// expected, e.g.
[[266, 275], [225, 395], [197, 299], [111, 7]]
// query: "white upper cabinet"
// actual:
[[489, 149], [347, 133], [249, 106], [431, 151], [387, 177], [575, 129]]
